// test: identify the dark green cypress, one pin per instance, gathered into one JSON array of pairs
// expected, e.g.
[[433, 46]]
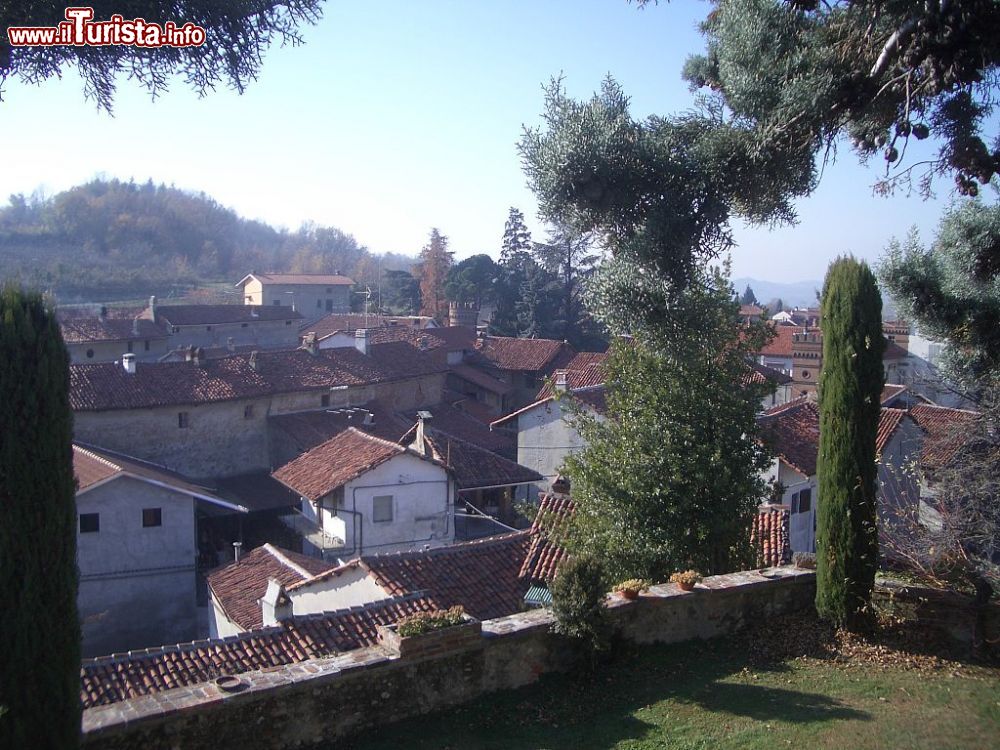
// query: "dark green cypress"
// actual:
[[849, 402], [39, 629]]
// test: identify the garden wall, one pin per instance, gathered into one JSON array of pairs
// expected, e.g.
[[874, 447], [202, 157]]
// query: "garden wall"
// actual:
[[323, 699]]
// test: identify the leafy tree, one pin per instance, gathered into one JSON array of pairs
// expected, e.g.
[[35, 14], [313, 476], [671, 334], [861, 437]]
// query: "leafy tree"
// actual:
[[748, 298], [570, 258], [40, 632], [432, 270], [237, 34], [952, 290], [473, 280], [401, 292], [849, 402], [671, 479]]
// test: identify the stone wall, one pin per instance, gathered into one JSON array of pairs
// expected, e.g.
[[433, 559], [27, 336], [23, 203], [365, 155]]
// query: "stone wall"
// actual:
[[323, 699]]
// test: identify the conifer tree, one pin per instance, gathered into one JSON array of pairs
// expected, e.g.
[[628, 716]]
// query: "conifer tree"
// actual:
[[39, 630], [849, 402]]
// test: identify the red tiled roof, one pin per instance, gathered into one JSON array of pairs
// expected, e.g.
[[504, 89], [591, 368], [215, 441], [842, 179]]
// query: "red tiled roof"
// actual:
[[97, 387], [239, 586], [465, 426], [532, 355], [298, 278], [326, 467], [894, 351], [583, 360], [481, 575], [476, 467], [545, 555], [585, 377], [945, 431], [781, 344], [120, 324], [891, 392], [762, 375], [594, 396], [769, 536], [311, 428], [195, 315], [110, 679], [793, 431]]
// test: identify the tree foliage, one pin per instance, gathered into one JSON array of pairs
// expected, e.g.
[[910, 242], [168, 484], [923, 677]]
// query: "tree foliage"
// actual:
[[951, 290], [432, 270], [798, 75], [671, 479], [570, 259], [748, 298], [850, 390], [578, 593], [473, 280], [237, 32], [40, 632]]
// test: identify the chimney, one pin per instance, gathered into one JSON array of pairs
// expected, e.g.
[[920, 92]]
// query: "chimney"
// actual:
[[423, 343], [231, 344], [128, 363], [236, 551], [198, 357], [135, 326], [561, 380], [103, 314], [254, 362], [310, 343], [361, 340], [420, 443], [152, 308], [254, 312], [189, 354]]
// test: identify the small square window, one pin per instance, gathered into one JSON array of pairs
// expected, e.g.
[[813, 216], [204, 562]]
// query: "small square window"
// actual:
[[277, 303], [244, 325], [248, 411], [151, 517], [208, 328], [324, 400], [183, 419], [90, 523], [382, 508], [288, 322]]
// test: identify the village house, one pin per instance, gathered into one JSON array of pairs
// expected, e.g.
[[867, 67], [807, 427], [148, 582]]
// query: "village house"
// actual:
[[522, 365], [138, 546], [216, 326], [369, 495], [313, 295], [108, 333], [338, 329], [209, 417]]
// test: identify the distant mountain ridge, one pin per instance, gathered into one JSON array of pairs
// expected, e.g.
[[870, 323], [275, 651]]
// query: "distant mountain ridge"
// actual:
[[794, 294]]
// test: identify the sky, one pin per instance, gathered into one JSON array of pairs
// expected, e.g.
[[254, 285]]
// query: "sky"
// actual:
[[398, 116]]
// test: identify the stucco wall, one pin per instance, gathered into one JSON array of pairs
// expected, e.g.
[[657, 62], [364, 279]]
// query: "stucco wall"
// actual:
[[218, 441], [267, 334], [326, 699], [112, 351], [137, 584], [352, 588], [545, 438]]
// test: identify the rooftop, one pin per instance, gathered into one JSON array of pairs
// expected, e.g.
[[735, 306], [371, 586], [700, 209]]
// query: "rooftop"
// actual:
[[298, 278], [194, 315], [532, 355], [118, 324], [945, 431], [545, 554]]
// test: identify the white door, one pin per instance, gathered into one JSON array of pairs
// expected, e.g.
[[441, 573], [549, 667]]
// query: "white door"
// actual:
[[802, 523]]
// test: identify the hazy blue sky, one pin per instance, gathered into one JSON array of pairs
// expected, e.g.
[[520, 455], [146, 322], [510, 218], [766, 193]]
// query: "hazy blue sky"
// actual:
[[396, 116]]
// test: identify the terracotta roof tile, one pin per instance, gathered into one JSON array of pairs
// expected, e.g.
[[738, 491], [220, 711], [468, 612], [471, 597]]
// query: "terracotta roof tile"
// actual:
[[194, 315], [594, 396], [332, 464], [481, 575], [544, 556], [532, 355], [239, 586], [945, 431], [781, 344], [889, 420], [477, 467], [119, 324], [311, 428], [481, 378], [770, 537], [466, 426], [110, 679]]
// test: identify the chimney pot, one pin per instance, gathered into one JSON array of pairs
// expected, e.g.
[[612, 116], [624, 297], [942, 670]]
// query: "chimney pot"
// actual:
[[128, 363], [254, 362], [561, 379], [152, 308]]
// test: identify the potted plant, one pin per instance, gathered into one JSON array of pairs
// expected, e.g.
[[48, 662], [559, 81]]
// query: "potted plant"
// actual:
[[686, 579], [631, 588], [429, 632]]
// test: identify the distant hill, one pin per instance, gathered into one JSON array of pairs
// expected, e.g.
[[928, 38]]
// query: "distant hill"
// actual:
[[109, 240], [795, 294]]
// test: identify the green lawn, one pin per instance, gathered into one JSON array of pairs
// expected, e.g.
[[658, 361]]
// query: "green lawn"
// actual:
[[705, 695]]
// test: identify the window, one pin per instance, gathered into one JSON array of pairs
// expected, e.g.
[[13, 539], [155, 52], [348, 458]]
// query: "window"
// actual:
[[244, 325], [90, 523], [324, 400], [208, 328], [175, 329], [277, 303], [151, 517], [329, 290], [319, 303], [802, 501], [382, 508], [248, 411], [182, 419], [90, 354], [145, 345], [805, 374], [288, 322], [329, 305]]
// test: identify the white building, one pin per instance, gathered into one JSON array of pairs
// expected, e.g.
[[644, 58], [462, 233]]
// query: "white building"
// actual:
[[313, 295], [367, 495]]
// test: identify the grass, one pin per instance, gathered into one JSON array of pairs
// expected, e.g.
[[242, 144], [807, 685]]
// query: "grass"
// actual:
[[707, 695]]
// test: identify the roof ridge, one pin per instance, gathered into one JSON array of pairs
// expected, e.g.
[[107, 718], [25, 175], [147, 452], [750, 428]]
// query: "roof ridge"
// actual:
[[375, 438], [447, 548], [945, 408], [279, 555], [323, 575], [96, 457]]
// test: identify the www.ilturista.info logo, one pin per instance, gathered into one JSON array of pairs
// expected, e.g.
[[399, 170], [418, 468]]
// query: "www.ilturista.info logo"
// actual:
[[80, 30]]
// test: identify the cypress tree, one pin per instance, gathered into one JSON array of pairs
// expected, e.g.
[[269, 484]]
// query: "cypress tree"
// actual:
[[39, 629], [849, 402]]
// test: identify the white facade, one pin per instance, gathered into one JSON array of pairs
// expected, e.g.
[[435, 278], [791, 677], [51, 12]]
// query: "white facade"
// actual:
[[801, 495], [350, 586], [545, 438], [402, 504]]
